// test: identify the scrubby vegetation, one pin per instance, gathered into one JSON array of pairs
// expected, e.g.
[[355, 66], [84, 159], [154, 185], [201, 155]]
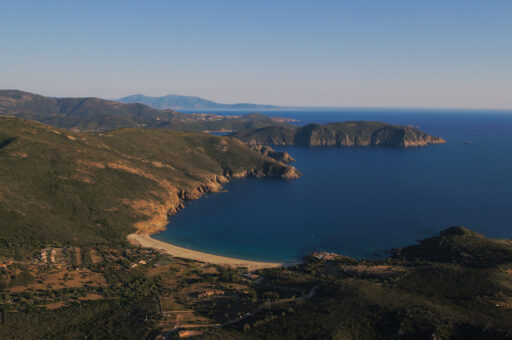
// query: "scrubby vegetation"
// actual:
[[129, 292], [415, 296]]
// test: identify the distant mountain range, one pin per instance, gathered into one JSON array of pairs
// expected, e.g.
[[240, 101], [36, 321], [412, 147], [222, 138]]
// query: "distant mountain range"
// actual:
[[177, 102]]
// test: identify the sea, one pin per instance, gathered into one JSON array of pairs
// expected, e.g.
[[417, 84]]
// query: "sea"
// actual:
[[362, 202]]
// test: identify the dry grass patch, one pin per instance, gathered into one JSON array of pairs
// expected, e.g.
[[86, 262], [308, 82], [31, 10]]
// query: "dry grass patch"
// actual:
[[62, 278], [55, 305], [158, 270], [91, 297]]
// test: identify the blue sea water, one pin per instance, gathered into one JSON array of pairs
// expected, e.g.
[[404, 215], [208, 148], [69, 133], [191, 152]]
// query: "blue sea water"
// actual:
[[363, 201]]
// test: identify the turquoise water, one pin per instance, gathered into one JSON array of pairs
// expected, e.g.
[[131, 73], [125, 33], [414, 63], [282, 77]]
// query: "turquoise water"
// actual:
[[363, 201]]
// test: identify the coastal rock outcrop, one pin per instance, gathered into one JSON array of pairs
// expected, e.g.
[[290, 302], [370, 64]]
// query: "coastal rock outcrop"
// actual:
[[281, 156]]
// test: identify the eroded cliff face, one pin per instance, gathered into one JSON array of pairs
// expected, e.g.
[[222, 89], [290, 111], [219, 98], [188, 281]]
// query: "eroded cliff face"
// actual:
[[170, 200], [423, 141]]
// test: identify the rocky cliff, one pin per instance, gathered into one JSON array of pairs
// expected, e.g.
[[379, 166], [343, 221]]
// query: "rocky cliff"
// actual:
[[360, 133]]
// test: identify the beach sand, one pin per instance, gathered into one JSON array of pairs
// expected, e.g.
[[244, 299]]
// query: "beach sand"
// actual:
[[145, 240]]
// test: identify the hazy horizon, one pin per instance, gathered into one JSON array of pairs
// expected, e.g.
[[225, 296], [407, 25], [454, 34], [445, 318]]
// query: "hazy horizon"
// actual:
[[397, 54]]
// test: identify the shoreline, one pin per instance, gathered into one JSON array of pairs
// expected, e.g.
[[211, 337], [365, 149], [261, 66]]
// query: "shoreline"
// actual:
[[145, 240]]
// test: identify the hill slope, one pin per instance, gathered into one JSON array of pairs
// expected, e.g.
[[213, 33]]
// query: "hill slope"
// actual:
[[100, 114], [91, 187], [338, 134], [457, 285], [177, 102]]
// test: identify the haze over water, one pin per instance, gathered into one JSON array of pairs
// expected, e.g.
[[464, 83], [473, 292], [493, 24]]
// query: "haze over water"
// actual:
[[362, 201]]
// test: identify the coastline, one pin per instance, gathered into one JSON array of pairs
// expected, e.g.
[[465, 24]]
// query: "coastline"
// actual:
[[145, 240]]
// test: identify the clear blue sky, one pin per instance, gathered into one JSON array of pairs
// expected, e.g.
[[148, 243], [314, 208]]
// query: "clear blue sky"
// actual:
[[329, 53]]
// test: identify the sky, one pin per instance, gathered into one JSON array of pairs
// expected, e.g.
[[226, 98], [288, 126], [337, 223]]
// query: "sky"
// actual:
[[430, 54]]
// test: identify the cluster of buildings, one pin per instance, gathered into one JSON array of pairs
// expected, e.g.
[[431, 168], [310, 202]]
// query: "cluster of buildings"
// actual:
[[5, 264], [251, 276], [48, 255], [325, 256], [135, 264]]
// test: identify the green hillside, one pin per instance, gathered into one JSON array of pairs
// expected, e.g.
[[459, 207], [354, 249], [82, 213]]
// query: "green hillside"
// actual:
[[82, 188]]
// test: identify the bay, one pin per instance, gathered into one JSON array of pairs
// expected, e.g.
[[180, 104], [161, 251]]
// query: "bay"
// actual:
[[363, 201]]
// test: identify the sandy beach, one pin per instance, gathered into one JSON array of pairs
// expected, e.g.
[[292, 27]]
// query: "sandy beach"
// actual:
[[147, 241]]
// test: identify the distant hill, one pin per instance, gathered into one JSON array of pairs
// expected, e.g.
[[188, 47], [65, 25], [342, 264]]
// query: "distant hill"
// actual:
[[177, 102], [99, 114], [338, 134]]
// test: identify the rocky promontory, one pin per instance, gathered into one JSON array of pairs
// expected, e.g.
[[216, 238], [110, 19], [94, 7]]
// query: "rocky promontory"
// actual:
[[359, 133], [281, 156]]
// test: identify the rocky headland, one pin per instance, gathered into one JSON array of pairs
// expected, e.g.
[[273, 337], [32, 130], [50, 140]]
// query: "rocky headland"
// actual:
[[360, 133]]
